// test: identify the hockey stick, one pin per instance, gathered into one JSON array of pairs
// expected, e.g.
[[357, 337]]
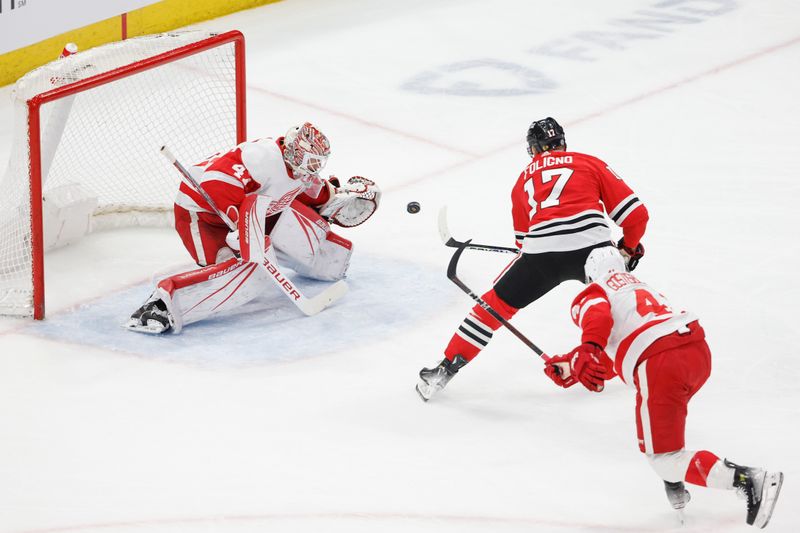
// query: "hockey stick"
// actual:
[[452, 275], [448, 240], [308, 306]]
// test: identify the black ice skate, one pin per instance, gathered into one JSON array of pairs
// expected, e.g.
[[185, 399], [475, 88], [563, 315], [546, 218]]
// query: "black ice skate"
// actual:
[[153, 317], [760, 488], [677, 494], [432, 380]]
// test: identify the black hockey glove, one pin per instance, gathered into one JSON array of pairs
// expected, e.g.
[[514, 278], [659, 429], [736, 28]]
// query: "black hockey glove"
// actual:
[[631, 255]]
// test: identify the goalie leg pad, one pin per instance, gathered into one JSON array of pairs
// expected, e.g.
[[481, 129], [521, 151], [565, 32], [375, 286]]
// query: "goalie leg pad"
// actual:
[[199, 294], [305, 243]]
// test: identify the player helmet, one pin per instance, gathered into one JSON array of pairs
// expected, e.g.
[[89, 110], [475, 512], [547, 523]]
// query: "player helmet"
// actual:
[[601, 261], [544, 135], [306, 149]]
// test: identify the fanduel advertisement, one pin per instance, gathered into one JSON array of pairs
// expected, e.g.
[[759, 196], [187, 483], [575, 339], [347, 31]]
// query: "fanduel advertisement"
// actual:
[[25, 22]]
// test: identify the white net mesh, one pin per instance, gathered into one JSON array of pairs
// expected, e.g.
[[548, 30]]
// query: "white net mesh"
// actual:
[[106, 139]]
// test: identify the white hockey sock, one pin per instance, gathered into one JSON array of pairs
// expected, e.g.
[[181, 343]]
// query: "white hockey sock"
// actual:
[[671, 466], [701, 468], [720, 476]]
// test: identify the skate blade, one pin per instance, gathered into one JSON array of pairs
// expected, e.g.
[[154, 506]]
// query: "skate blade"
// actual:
[[772, 488], [681, 517], [424, 395]]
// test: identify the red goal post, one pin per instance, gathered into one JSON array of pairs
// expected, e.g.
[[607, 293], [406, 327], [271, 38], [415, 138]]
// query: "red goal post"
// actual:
[[94, 122]]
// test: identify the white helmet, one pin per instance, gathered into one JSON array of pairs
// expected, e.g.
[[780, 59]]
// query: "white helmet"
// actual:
[[306, 149], [601, 261]]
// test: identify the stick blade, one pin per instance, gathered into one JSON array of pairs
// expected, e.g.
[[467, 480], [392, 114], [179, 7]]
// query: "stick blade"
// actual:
[[312, 306], [444, 231]]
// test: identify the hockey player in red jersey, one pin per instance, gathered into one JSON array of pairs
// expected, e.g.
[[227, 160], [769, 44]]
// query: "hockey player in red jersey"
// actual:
[[267, 188], [558, 205], [662, 353]]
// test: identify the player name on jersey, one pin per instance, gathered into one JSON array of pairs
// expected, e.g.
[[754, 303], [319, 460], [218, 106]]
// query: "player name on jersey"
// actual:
[[549, 161], [621, 279]]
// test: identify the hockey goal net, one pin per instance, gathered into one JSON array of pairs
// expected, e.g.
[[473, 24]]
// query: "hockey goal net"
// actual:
[[87, 133]]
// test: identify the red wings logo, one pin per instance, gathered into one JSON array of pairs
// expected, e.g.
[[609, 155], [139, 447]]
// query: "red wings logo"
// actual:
[[281, 203]]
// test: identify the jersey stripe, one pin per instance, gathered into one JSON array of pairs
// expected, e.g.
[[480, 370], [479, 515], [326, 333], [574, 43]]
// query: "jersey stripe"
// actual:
[[215, 175], [632, 347], [187, 202], [567, 231], [622, 203], [624, 208], [197, 241], [561, 222], [644, 411], [582, 230], [585, 306]]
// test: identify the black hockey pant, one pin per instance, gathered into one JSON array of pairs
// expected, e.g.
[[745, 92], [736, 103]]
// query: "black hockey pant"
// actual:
[[534, 275]]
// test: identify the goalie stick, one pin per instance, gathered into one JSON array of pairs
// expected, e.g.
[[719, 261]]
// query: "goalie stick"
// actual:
[[308, 306], [448, 240]]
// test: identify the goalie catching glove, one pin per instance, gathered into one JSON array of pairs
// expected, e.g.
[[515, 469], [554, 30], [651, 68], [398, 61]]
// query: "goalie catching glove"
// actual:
[[353, 203]]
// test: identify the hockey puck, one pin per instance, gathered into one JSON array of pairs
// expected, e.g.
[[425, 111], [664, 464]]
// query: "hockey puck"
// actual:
[[413, 207]]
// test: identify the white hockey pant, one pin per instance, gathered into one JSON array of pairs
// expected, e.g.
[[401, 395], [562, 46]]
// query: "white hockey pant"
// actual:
[[305, 243]]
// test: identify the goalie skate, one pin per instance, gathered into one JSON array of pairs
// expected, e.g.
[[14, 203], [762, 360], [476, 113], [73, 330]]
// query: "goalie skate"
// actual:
[[433, 380], [153, 318], [760, 488]]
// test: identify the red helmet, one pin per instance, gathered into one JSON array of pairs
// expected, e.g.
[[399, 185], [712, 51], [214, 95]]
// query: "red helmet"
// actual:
[[306, 149]]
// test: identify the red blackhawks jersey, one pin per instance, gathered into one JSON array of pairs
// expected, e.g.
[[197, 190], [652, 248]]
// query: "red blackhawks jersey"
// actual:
[[626, 316], [253, 167], [558, 203]]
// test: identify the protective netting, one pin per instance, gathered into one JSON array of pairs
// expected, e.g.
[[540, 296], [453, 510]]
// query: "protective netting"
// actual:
[[106, 139]]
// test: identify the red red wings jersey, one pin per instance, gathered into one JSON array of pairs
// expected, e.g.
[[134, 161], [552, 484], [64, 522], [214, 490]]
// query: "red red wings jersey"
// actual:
[[557, 203], [626, 316], [253, 167]]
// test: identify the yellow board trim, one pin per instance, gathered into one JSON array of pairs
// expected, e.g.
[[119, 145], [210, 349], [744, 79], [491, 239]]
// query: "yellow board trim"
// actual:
[[156, 18]]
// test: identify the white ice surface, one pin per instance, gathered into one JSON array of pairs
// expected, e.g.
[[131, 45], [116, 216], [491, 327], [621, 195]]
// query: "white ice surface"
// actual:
[[267, 421]]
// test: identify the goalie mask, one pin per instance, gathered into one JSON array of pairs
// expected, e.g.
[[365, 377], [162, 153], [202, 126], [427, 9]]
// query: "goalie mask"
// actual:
[[306, 150], [601, 261], [544, 135]]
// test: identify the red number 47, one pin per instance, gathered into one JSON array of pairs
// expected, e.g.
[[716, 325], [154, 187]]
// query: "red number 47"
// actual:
[[646, 303]]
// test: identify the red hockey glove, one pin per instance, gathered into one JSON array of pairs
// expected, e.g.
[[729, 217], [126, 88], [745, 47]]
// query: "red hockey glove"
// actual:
[[588, 366], [558, 369], [631, 255]]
